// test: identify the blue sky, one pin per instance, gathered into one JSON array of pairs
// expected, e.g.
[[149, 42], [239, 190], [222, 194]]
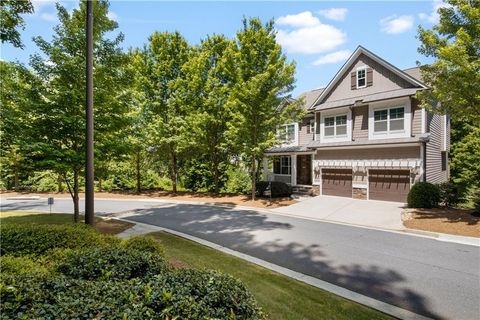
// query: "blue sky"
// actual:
[[319, 36]]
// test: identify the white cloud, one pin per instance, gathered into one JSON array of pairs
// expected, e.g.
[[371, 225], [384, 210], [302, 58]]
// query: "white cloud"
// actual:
[[308, 35], [51, 17], [304, 19], [337, 14], [396, 24], [333, 57], [112, 16], [433, 16]]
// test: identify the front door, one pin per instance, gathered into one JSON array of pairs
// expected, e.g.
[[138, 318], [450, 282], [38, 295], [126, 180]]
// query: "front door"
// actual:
[[304, 169]]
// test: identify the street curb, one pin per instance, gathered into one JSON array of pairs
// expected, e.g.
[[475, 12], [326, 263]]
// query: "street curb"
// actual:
[[337, 290]]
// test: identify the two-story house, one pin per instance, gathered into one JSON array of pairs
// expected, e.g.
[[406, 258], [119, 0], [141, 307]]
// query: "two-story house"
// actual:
[[364, 135]]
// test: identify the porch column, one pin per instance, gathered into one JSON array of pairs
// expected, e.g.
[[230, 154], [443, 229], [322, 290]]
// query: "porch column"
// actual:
[[294, 170], [265, 169]]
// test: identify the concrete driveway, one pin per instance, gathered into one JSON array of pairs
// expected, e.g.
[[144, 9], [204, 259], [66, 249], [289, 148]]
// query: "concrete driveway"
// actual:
[[370, 213]]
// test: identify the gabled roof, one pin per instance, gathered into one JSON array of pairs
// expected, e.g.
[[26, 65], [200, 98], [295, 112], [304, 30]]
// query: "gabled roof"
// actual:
[[361, 50], [310, 97]]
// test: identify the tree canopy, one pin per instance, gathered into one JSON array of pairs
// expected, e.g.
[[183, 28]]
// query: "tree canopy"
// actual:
[[455, 75], [11, 20]]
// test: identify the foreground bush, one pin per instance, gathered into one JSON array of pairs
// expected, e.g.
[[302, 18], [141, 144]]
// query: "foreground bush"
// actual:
[[144, 243], [185, 294], [278, 189], [73, 272], [109, 263], [37, 239], [424, 195]]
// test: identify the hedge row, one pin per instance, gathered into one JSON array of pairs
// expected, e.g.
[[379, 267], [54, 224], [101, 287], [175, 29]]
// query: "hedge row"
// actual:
[[73, 272]]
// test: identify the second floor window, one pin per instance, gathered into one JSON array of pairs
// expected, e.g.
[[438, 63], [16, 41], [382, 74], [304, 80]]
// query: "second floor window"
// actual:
[[287, 133], [335, 126], [392, 119]]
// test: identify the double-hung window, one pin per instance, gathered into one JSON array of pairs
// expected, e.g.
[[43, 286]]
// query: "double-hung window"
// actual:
[[335, 126], [287, 133], [361, 78], [282, 165], [388, 120]]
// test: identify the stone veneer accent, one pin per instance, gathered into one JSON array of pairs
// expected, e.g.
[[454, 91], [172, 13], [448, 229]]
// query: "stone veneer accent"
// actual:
[[315, 191], [359, 193]]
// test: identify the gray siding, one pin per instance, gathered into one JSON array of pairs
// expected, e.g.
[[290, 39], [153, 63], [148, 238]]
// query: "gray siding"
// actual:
[[416, 118], [360, 123], [383, 80], [304, 137], [434, 150]]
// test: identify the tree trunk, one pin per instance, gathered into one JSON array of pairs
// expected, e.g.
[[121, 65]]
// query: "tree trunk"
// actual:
[[59, 183], [253, 178], [100, 188], [215, 179], [174, 172], [76, 208], [17, 179], [138, 174]]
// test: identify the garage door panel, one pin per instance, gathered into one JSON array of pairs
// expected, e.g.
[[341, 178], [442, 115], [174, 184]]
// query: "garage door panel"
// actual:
[[389, 185], [337, 182]]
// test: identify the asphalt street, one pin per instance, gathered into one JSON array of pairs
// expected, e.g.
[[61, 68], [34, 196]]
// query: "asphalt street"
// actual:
[[436, 279]]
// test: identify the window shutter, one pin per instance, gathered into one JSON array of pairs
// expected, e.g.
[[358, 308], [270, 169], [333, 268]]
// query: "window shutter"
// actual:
[[369, 77], [317, 120], [308, 127], [353, 80]]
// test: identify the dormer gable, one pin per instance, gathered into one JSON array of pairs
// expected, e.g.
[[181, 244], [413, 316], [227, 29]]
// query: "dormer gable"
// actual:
[[363, 74]]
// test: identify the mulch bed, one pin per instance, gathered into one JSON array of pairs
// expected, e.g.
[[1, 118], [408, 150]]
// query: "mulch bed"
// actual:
[[444, 220]]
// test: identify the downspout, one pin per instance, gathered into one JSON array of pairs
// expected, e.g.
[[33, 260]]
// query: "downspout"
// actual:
[[424, 161]]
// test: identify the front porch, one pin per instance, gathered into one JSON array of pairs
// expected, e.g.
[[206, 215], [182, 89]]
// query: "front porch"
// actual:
[[294, 169]]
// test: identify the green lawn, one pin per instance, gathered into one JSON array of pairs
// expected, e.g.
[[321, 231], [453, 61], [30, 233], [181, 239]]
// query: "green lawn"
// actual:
[[110, 226], [281, 297]]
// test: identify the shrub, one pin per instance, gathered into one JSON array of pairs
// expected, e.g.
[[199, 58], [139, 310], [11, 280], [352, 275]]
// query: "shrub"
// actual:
[[10, 265], [424, 195], [238, 181], [110, 263], [278, 189], [36, 239], [144, 244], [475, 198], [450, 194], [185, 294]]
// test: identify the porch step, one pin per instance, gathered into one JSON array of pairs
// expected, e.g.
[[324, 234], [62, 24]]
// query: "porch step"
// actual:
[[302, 190]]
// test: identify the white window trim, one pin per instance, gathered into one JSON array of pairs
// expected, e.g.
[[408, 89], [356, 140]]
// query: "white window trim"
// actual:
[[356, 76], [334, 113], [294, 142], [407, 118], [291, 166]]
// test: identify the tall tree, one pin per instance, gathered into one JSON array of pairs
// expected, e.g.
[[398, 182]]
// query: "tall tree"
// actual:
[[19, 91], [455, 80], [263, 78], [208, 85], [59, 142], [11, 20], [455, 74], [158, 69]]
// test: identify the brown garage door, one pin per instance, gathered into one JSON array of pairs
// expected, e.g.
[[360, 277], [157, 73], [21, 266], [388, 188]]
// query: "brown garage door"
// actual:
[[337, 182], [389, 185]]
